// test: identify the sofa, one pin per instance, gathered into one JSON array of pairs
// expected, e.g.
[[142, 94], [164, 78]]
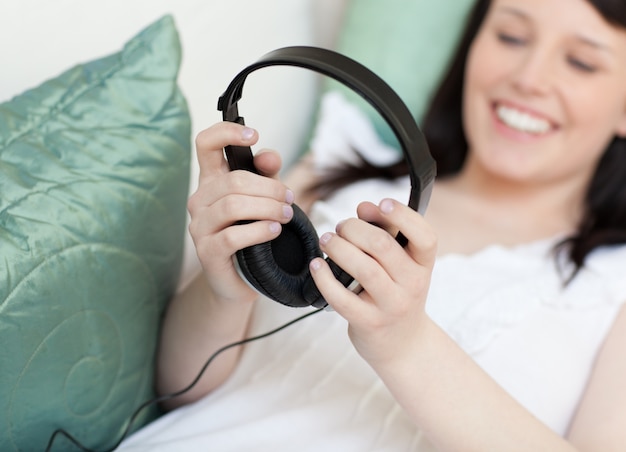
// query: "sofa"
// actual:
[[99, 107]]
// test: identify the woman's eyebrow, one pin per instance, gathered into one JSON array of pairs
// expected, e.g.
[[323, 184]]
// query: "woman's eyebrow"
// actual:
[[584, 39], [512, 11], [598, 45]]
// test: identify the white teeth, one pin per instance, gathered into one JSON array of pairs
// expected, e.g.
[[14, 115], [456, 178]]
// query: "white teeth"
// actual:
[[522, 121]]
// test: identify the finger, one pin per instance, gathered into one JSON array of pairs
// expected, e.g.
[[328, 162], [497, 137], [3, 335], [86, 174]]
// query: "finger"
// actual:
[[245, 183], [268, 162], [346, 303], [211, 142], [216, 254], [391, 276], [381, 246], [234, 238], [363, 267], [232, 209], [370, 213], [393, 215]]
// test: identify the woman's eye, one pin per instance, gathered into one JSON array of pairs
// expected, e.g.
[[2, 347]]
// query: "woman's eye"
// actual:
[[511, 39], [581, 65]]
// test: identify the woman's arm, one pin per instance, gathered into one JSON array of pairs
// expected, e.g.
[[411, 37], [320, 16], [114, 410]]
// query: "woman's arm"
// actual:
[[215, 308], [466, 410], [600, 422], [196, 324], [457, 404], [448, 396]]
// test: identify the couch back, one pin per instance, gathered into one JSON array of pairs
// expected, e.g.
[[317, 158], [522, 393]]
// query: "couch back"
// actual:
[[406, 42]]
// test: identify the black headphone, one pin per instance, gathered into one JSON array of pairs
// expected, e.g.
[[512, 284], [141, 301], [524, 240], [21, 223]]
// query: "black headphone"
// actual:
[[279, 269]]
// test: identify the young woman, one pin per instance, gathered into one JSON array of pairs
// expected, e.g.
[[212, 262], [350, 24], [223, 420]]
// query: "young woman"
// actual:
[[500, 326]]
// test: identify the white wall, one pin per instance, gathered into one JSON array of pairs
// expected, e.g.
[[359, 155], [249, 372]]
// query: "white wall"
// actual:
[[41, 38]]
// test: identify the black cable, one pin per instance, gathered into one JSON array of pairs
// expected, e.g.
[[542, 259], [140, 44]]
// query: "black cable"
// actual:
[[166, 397]]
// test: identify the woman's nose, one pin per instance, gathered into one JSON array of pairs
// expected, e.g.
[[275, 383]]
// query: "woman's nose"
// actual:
[[535, 73]]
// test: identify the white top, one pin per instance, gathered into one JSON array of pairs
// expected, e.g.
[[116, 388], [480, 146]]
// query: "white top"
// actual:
[[307, 389]]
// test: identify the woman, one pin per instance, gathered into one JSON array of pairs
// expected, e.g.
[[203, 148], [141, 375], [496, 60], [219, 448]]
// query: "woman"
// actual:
[[484, 338]]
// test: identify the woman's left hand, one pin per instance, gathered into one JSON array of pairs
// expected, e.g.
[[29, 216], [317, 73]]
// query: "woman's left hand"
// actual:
[[385, 318], [441, 388]]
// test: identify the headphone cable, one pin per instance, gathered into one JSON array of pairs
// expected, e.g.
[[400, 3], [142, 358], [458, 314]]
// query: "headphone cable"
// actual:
[[173, 395]]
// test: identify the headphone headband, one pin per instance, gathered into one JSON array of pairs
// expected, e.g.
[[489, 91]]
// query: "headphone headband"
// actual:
[[364, 82]]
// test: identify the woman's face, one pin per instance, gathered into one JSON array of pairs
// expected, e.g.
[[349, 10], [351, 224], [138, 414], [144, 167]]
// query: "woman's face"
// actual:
[[545, 90]]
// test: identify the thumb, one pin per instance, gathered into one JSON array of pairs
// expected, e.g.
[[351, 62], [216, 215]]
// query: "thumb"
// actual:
[[268, 162]]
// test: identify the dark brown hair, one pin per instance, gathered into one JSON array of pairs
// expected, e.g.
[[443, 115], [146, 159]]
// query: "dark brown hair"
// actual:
[[604, 215]]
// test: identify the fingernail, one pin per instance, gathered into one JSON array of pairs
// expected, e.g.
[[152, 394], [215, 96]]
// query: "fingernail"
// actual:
[[339, 225], [289, 197], [247, 133], [315, 265], [287, 212], [325, 238], [386, 206], [275, 227]]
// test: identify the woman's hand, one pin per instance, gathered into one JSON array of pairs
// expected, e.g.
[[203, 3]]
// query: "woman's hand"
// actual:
[[225, 197], [386, 316], [215, 309], [446, 394]]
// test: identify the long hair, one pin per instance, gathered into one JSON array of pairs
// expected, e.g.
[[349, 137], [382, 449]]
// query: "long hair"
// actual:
[[604, 211]]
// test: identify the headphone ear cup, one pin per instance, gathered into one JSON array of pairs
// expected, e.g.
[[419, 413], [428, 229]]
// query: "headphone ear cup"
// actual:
[[279, 269]]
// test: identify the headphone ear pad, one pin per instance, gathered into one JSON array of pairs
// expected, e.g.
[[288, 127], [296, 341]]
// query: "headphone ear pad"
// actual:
[[279, 269]]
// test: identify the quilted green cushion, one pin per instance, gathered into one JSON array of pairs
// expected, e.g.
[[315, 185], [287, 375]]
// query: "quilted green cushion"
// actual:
[[407, 43], [94, 169]]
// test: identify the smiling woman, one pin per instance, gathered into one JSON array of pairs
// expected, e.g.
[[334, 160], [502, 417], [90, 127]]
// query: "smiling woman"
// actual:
[[544, 92], [524, 70], [499, 326]]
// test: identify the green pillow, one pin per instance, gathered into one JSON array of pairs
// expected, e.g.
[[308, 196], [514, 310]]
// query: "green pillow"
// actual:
[[94, 172], [408, 43]]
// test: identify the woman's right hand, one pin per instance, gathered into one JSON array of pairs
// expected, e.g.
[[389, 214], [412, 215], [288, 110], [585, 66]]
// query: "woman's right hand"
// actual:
[[224, 197]]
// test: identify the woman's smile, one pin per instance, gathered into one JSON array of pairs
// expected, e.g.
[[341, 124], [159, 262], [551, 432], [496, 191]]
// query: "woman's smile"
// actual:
[[522, 120]]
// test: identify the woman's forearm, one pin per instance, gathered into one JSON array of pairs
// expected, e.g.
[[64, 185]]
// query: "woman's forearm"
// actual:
[[195, 326], [456, 404]]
